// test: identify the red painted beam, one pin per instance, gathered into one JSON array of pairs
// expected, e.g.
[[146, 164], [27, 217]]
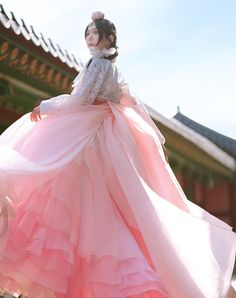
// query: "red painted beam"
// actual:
[[8, 116]]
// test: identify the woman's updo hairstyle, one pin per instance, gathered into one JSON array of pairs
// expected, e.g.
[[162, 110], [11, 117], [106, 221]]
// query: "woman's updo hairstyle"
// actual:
[[105, 30]]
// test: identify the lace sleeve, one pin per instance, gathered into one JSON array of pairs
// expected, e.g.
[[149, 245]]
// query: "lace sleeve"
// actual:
[[86, 88]]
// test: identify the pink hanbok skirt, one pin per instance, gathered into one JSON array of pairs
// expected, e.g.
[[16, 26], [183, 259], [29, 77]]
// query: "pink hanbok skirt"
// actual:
[[98, 212]]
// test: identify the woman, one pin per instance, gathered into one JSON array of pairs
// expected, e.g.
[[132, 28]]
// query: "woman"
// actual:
[[96, 210]]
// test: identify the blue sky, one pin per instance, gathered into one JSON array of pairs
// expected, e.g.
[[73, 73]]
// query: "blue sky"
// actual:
[[172, 53]]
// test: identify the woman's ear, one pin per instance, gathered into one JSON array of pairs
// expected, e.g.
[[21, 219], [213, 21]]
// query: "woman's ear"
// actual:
[[111, 38]]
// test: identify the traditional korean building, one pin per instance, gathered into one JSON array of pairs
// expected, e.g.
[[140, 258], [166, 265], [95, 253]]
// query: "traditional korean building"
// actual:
[[33, 68], [204, 162], [220, 193]]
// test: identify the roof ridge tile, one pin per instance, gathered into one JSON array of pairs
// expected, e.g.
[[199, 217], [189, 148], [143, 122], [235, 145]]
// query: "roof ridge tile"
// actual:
[[30, 34]]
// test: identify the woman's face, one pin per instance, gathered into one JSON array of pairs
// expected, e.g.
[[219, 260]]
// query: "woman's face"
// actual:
[[92, 38]]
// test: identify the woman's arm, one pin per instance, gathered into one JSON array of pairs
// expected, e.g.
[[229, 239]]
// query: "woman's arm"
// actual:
[[85, 92]]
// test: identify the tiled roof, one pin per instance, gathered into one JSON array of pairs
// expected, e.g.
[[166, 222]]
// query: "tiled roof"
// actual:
[[225, 143], [197, 139], [9, 21]]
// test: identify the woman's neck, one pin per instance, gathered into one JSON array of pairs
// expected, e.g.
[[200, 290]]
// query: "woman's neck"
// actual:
[[98, 53]]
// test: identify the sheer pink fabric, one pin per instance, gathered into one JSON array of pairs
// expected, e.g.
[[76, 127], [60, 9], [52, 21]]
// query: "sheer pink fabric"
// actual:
[[99, 212]]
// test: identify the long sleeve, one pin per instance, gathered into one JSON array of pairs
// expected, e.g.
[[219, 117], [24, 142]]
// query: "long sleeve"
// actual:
[[86, 88]]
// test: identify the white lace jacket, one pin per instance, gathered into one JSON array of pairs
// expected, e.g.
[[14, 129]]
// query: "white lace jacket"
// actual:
[[98, 79]]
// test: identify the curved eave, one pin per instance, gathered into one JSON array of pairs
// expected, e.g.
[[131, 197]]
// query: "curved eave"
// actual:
[[37, 43], [226, 163]]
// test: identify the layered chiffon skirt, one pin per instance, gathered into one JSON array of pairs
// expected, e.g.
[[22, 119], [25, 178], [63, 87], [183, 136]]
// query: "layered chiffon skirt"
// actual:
[[96, 212]]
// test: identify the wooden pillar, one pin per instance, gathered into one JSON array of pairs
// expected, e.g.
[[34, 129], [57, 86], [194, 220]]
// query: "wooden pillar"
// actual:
[[204, 196]]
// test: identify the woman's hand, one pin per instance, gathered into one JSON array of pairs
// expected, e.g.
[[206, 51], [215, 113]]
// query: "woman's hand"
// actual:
[[35, 114]]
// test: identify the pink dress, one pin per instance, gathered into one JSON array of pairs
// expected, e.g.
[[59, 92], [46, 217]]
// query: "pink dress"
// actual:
[[98, 212]]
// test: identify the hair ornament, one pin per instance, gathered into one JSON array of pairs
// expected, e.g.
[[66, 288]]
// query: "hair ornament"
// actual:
[[97, 15]]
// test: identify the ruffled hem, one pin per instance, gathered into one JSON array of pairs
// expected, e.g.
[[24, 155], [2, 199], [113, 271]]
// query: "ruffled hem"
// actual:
[[91, 277], [101, 215], [42, 257]]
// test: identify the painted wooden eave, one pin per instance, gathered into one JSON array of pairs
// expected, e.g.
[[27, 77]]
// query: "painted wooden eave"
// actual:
[[213, 151]]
